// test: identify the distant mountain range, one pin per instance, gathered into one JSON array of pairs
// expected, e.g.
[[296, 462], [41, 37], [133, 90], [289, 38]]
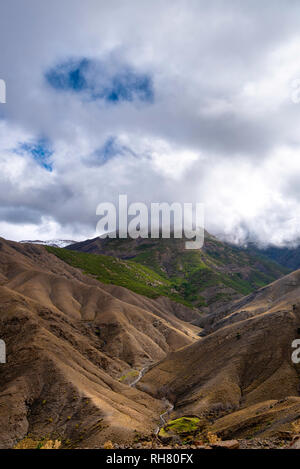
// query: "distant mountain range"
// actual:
[[220, 273], [206, 279], [286, 256]]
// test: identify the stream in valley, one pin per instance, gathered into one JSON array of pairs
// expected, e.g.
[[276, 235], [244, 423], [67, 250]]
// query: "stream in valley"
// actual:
[[164, 416], [139, 377], [169, 407]]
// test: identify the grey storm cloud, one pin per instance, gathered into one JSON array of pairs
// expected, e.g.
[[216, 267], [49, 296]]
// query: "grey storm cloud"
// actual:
[[14, 214], [164, 101]]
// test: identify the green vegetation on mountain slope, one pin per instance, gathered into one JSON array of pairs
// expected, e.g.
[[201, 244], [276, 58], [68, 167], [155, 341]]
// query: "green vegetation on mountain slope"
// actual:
[[215, 274], [129, 274], [206, 278]]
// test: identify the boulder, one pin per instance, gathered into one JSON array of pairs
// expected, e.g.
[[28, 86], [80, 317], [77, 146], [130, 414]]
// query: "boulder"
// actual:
[[295, 443], [227, 444]]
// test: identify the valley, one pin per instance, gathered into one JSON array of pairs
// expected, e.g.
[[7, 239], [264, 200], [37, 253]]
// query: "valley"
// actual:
[[103, 349]]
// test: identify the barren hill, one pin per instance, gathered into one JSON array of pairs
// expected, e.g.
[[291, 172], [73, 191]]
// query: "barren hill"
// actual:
[[72, 344], [240, 376]]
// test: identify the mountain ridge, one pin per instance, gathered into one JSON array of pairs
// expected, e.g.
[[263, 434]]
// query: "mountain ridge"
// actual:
[[207, 279]]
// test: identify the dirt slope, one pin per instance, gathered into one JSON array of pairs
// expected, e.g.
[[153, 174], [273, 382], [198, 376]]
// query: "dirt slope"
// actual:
[[69, 341], [240, 375]]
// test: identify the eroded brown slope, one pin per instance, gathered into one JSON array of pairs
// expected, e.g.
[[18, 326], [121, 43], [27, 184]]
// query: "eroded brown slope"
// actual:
[[243, 369], [68, 341], [56, 382], [281, 294], [131, 327]]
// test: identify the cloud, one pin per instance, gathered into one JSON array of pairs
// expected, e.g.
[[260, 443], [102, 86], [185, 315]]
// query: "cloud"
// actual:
[[165, 101]]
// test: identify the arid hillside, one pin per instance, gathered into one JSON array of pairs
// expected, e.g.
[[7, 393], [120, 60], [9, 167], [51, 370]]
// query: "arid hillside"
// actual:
[[73, 346], [240, 376]]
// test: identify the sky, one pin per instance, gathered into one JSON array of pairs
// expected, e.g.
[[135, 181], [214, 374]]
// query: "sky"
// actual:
[[165, 101]]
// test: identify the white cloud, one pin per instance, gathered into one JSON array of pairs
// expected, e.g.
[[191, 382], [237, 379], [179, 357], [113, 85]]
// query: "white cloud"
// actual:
[[222, 128], [174, 163]]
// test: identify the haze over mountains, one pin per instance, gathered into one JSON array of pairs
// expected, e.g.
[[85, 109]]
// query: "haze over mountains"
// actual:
[[287, 256], [76, 340]]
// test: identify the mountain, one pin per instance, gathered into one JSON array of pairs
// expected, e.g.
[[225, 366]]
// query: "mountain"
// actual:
[[73, 345], [288, 257], [89, 362], [58, 243], [207, 279], [240, 376]]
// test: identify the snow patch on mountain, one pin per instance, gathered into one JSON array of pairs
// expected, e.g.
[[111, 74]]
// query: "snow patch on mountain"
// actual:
[[57, 243]]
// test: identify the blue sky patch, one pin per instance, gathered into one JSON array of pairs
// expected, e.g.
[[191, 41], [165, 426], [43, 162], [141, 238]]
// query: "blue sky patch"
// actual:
[[69, 76], [40, 151], [109, 150], [110, 83]]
